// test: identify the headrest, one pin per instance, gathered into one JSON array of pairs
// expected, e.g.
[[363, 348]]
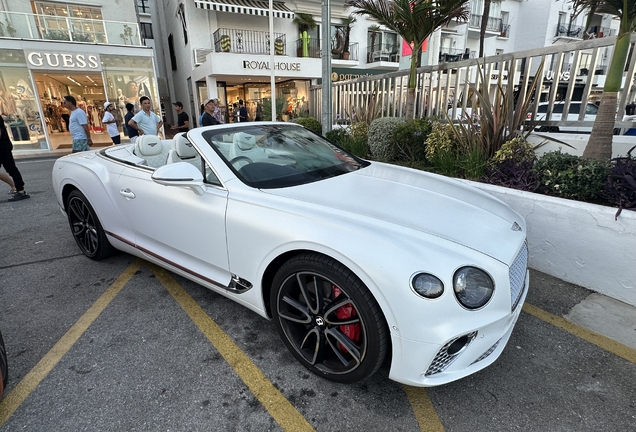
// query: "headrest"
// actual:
[[244, 141], [148, 145], [182, 146]]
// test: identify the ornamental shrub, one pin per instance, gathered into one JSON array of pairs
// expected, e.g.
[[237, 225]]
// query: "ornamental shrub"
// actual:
[[621, 183], [512, 166], [382, 138], [573, 177], [517, 149], [310, 123], [355, 145], [442, 149], [410, 139]]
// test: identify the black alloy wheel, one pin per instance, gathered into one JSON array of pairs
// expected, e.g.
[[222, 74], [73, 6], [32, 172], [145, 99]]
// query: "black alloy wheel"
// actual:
[[86, 228], [328, 319], [4, 366]]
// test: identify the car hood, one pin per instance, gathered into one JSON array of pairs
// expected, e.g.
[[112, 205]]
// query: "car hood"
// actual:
[[423, 202]]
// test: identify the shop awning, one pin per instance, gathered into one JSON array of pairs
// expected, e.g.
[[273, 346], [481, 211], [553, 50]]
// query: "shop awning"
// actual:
[[250, 7]]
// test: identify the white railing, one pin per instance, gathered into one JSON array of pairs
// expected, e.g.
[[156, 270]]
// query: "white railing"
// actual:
[[49, 27], [572, 72]]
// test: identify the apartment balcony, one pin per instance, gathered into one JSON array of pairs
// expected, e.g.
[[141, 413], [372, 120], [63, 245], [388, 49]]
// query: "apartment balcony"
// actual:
[[570, 31], [504, 31], [247, 41], [379, 53], [349, 56], [452, 55], [47, 27], [313, 48], [493, 26]]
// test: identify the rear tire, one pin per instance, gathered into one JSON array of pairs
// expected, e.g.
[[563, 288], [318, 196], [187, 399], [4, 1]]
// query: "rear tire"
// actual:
[[328, 319], [86, 228]]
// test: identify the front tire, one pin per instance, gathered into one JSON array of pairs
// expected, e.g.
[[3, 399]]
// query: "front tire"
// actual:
[[86, 228], [328, 319]]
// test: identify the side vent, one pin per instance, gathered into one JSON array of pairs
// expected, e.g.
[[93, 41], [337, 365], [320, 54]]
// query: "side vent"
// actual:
[[199, 55]]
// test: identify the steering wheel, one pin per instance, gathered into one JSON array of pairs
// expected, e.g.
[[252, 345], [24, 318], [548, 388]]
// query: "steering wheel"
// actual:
[[240, 161]]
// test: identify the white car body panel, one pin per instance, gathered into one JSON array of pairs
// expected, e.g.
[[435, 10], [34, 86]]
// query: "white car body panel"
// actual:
[[384, 223]]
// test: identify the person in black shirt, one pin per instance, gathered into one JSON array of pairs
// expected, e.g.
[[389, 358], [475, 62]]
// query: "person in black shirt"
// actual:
[[130, 131], [242, 112], [183, 120], [6, 160], [208, 118]]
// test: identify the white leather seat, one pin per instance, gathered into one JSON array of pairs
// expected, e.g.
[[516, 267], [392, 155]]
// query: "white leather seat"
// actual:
[[183, 151], [244, 144], [152, 150]]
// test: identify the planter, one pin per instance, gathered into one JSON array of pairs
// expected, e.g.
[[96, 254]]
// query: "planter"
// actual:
[[577, 242], [345, 55]]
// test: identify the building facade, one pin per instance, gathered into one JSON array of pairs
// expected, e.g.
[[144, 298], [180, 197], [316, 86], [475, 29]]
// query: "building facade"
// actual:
[[55, 48]]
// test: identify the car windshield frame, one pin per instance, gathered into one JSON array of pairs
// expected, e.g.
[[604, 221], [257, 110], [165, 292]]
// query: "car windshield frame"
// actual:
[[279, 155]]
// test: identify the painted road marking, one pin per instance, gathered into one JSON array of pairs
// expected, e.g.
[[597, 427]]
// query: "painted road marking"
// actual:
[[427, 418], [269, 396], [599, 340], [31, 380]]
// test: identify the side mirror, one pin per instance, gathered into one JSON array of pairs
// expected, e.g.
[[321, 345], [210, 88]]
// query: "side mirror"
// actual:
[[180, 174]]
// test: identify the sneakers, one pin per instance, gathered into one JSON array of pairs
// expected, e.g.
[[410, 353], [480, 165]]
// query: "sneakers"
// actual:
[[19, 196]]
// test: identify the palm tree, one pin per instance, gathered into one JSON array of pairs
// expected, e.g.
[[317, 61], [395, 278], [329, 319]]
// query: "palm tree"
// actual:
[[484, 24], [414, 21], [600, 143]]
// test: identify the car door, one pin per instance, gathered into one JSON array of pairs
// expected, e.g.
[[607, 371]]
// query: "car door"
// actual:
[[176, 225]]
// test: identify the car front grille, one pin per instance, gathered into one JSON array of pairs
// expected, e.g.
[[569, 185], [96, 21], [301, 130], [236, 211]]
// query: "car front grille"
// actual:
[[446, 356], [487, 353], [518, 276]]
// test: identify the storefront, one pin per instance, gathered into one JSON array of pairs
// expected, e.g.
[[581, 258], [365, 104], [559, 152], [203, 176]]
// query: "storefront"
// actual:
[[247, 77], [34, 80]]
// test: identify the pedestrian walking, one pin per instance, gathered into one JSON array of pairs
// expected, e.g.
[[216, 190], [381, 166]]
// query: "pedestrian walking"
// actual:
[[130, 131], [208, 118], [7, 161], [111, 123], [145, 121], [78, 126], [242, 114], [217, 112], [183, 120]]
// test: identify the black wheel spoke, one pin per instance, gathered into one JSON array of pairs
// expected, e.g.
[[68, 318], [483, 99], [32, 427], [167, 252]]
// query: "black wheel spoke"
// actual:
[[347, 344], [305, 319], [314, 300], [312, 346], [330, 313]]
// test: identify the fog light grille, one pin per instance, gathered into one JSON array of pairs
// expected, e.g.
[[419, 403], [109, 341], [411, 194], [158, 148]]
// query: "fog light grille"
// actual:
[[487, 353], [518, 276], [449, 352]]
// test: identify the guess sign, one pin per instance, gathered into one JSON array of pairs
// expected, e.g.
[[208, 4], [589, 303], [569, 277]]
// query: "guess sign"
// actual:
[[64, 61]]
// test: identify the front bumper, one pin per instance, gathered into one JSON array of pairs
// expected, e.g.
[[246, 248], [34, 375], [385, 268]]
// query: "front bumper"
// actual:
[[418, 363]]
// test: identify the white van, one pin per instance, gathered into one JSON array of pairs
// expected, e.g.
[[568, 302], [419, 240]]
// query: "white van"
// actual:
[[557, 111]]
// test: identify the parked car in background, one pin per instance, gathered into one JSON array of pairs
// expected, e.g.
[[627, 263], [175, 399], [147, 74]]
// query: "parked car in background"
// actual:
[[4, 366], [354, 261], [573, 115]]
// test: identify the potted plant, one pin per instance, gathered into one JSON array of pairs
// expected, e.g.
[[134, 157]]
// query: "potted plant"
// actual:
[[279, 46], [347, 23], [304, 22], [226, 43]]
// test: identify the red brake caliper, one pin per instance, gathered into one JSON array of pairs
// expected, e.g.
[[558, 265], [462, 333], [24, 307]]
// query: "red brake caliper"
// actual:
[[352, 331]]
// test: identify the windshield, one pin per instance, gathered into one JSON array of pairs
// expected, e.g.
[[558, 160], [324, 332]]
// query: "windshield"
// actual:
[[280, 155]]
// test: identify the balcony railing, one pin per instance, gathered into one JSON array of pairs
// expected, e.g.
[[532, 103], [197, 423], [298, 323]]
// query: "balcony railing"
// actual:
[[313, 48], [572, 31], [493, 24], [452, 55], [383, 52], [47, 27], [504, 31], [248, 41]]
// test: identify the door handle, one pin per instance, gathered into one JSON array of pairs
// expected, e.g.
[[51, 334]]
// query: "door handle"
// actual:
[[127, 193]]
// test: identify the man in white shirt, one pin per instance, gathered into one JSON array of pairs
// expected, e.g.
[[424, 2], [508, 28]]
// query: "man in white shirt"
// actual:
[[146, 121], [111, 123]]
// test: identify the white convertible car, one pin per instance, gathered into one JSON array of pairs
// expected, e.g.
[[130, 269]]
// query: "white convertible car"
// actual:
[[353, 260]]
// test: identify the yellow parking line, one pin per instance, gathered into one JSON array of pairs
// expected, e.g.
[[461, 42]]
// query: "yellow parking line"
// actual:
[[423, 409], [599, 340], [31, 380], [273, 400]]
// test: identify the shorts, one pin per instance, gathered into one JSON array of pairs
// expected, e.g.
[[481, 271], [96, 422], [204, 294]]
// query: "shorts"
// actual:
[[80, 145], [116, 139]]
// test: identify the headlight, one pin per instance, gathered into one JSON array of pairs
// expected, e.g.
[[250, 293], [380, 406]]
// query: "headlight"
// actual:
[[427, 285], [473, 287]]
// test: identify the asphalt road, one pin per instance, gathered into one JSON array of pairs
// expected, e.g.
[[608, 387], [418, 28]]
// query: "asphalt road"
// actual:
[[122, 345]]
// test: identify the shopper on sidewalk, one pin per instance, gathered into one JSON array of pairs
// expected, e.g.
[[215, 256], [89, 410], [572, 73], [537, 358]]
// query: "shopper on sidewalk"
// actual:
[[111, 123], [6, 161], [183, 120], [145, 121], [130, 131], [78, 126]]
